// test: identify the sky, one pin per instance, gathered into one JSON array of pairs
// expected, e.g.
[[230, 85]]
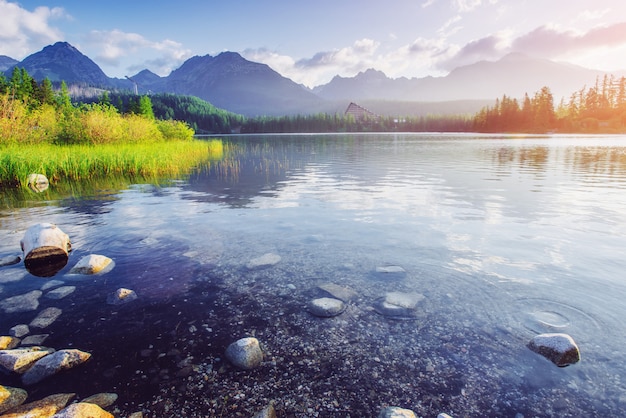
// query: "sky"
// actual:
[[312, 41]]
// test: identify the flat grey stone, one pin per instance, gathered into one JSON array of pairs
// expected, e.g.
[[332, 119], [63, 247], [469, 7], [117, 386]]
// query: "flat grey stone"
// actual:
[[339, 292], [36, 339], [19, 331], [51, 284], [326, 307], [9, 260], [21, 303], [266, 260], [46, 317], [60, 292]]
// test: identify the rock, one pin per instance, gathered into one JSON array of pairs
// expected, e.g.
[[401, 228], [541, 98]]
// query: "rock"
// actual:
[[11, 398], [46, 318], [560, 349], [390, 270], [21, 303], [266, 260], [338, 292], [92, 264], [53, 364], [326, 307], [267, 412], [19, 360], [103, 400], [36, 339], [245, 353], [396, 412], [7, 342], [444, 415], [45, 407], [46, 249], [83, 410], [398, 305], [51, 283], [19, 331], [121, 296], [37, 182], [60, 292], [9, 260], [136, 415], [404, 300]]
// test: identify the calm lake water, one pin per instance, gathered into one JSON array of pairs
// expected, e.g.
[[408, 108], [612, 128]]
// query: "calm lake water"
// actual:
[[505, 236]]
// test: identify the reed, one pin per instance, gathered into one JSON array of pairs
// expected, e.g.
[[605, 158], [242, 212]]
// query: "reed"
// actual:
[[86, 162]]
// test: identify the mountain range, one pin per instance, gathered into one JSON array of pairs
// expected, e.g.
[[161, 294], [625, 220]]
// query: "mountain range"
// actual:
[[233, 83]]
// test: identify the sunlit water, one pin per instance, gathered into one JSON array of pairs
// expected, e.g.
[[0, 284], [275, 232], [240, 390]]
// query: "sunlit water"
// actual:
[[505, 236]]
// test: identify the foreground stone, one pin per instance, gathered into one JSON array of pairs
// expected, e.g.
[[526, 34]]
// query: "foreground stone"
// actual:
[[326, 307], [399, 305], [92, 264], [396, 412], [60, 292], [103, 400], [267, 412], [46, 317], [46, 249], [245, 353], [21, 303], [121, 296], [53, 364], [45, 407], [21, 359], [7, 342], [338, 292], [560, 349], [11, 398], [83, 410], [18, 331], [266, 260]]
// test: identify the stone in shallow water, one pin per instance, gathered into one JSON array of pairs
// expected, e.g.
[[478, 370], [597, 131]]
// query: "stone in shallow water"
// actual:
[[83, 410], [53, 364], [60, 292], [390, 272], [396, 412], [11, 398], [398, 305], [9, 260], [326, 307], [266, 260], [121, 296], [21, 303], [19, 331], [46, 317], [245, 353], [560, 349], [404, 300], [51, 283], [92, 264], [7, 342], [103, 400], [339, 292], [45, 407], [36, 339], [19, 360]]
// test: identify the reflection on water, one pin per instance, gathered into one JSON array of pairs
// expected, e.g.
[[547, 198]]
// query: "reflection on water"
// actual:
[[506, 236]]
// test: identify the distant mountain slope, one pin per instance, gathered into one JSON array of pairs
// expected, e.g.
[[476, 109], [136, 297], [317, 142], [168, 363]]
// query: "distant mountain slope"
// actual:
[[231, 82], [513, 75], [63, 62], [6, 62]]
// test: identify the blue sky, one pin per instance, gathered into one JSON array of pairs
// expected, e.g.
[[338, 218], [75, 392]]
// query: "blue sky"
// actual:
[[311, 41]]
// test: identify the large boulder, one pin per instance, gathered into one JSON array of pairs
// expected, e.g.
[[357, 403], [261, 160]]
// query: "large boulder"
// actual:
[[11, 398], [53, 364], [83, 410], [560, 349], [45, 407], [21, 359]]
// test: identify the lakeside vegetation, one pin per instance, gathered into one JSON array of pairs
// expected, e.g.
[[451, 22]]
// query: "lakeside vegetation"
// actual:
[[41, 131]]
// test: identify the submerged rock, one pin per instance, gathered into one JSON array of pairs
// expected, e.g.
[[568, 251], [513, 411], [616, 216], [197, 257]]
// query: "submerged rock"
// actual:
[[560, 349], [103, 400], [121, 296], [390, 270], [266, 260], [326, 307], [339, 292], [45, 407], [21, 359], [53, 364], [9, 260], [83, 410], [396, 412], [36, 339], [21, 303], [19, 331], [92, 264], [398, 305], [60, 292], [245, 353], [11, 398], [46, 317]]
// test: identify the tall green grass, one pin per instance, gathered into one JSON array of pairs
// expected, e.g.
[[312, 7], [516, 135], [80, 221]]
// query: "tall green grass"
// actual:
[[86, 162]]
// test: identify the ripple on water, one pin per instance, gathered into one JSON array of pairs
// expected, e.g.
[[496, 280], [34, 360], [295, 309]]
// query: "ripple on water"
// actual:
[[545, 315]]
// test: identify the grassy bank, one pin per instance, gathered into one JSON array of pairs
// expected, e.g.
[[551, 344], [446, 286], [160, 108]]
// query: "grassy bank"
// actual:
[[87, 162]]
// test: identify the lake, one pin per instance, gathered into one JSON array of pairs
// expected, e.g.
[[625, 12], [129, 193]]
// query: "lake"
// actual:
[[495, 238]]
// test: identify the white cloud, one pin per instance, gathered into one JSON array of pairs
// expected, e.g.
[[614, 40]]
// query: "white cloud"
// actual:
[[22, 30], [114, 46]]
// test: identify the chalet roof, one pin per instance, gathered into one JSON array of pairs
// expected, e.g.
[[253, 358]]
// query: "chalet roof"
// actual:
[[359, 112]]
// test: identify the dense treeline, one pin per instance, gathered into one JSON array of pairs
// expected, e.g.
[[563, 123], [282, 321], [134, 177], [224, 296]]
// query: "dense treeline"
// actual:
[[601, 108], [33, 112]]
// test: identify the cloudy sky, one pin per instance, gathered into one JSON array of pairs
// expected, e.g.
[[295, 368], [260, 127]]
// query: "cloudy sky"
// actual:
[[311, 41]]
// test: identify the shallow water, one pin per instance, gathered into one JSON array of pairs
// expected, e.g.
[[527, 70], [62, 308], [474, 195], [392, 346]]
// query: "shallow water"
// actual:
[[505, 236]]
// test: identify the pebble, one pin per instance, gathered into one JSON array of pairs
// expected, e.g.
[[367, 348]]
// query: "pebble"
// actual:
[[11, 397], [21, 303], [92, 264], [60, 292], [561, 349], [326, 307], [121, 296], [46, 317], [54, 363], [266, 260], [396, 412], [245, 353]]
